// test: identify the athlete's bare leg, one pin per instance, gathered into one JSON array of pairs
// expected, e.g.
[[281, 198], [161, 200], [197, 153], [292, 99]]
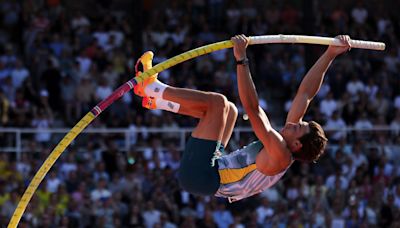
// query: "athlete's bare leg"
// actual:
[[217, 115], [200, 113]]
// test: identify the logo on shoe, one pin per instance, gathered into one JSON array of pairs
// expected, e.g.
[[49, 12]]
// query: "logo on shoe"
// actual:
[[156, 90], [170, 105]]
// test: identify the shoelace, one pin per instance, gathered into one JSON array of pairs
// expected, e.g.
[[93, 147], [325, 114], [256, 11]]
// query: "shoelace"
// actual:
[[136, 67]]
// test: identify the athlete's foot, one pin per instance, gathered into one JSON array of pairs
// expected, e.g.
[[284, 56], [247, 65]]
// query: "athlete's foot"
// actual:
[[147, 62]]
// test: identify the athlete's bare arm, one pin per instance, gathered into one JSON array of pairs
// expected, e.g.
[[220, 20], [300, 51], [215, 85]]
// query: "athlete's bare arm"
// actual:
[[311, 83], [278, 157]]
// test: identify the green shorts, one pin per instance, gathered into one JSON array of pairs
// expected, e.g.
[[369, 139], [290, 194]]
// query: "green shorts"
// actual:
[[196, 174]]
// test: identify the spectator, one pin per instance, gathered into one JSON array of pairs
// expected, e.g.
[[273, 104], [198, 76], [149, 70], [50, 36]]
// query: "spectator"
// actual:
[[19, 74], [101, 35], [337, 180], [4, 72], [79, 21], [164, 222], [337, 219], [151, 216], [387, 212], [84, 94], [79, 193], [396, 193], [23, 166], [359, 13], [207, 220], [370, 213], [53, 182], [117, 35], [57, 45], [69, 165], [354, 86], [4, 108], [103, 90], [222, 217], [100, 172], [100, 193], [51, 79], [328, 105], [135, 219], [371, 89], [264, 211], [10, 205], [380, 104], [43, 121], [358, 155], [337, 123], [154, 150], [363, 124], [104, 211], [84, 63], [40, 22], [395, 124], [396, 102], [68, 98]]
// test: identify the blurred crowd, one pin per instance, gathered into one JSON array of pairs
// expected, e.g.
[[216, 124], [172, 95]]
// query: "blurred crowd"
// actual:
[[58, 59]]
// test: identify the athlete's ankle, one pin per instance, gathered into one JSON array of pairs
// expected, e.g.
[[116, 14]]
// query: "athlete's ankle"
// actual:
[[155, 89], [167, 105], [158, 103]]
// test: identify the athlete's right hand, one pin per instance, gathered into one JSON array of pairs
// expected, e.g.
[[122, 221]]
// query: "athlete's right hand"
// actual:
[[337, 50], [240, 43]]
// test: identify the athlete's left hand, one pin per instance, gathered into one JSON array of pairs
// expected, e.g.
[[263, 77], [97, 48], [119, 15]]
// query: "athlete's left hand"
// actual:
[[337, 50], [240, 43]]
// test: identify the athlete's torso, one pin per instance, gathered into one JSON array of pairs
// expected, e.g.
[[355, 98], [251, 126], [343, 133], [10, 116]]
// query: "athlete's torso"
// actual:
[[239, 177]]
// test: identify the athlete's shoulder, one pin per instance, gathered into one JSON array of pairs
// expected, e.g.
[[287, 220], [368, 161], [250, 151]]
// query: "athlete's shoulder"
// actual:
[[269, 166]]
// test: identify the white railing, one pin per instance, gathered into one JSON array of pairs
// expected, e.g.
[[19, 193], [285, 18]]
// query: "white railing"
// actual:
[[17, 136]]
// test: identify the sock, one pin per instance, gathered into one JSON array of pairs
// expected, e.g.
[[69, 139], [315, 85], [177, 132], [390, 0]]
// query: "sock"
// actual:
[[155, 89], [167, 105]]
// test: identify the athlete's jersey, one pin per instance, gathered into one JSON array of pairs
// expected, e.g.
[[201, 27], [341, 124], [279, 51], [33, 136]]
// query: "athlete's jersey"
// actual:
[[239, 177]]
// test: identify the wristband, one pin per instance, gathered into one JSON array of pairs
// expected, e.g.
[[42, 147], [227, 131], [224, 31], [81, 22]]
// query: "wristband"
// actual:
[[243, 62]]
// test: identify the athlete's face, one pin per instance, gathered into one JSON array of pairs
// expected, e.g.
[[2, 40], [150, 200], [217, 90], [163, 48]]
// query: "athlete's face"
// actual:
[[292, 132]]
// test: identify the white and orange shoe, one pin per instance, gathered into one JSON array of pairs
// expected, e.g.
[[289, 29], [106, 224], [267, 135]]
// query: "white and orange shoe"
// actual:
[[147, 62], [149, 103]]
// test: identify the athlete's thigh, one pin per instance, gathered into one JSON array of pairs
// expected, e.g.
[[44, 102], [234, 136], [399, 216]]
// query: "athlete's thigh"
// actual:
[[198, 112], [230, 123], [212, 125]]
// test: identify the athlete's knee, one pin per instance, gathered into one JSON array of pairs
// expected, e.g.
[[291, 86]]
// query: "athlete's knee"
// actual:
[[218, 101], [233, 111]]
